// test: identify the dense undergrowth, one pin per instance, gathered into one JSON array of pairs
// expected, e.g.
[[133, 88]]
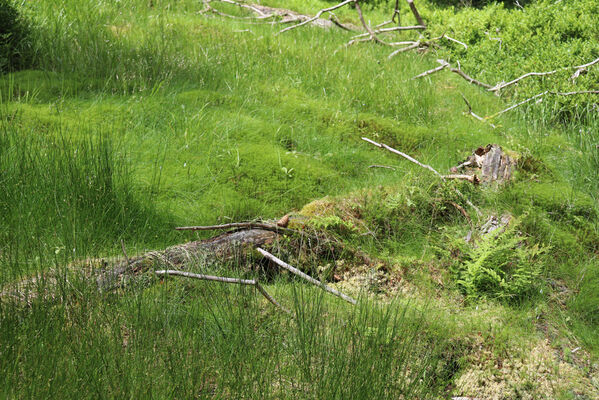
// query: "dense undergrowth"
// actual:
[[138, 116]]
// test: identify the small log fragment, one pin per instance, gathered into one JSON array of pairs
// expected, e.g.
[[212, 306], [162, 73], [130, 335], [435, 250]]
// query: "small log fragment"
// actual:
[[304, 276]]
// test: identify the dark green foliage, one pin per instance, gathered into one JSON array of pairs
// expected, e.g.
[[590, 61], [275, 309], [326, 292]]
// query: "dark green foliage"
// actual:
[[14, 38], [500, 265]]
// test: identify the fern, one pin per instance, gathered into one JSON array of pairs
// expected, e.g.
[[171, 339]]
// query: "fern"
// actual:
[[503, 265]]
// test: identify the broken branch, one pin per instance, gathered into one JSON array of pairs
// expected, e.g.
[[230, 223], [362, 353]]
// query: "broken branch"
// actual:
[[222, 279], [245, 225], [314, 18], [304, 276]]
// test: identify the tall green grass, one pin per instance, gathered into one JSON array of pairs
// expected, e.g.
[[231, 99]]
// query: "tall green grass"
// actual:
[[184, 340]]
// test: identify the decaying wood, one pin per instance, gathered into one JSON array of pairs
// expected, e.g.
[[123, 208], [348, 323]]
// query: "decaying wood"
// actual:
[[251, 282], [489, 164], [223, 247], [243, 225], [299, 273]]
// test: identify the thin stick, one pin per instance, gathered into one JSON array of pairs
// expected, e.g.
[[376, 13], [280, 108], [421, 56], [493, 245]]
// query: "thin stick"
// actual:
[[470, 178], [304, 276], [318, 14], [478, 117], [125, 252], [222, 279], [455, 41], [403, 49], [404, 155], [445, 64], [536, 96], [381, 166]]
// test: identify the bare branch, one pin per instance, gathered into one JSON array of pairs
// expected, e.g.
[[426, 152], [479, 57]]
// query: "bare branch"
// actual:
[[373, 35], [445, 64], [455, 41], [478, 117], [578, 69], [470, 178], [318, 14], [403, 49], [425, 166], [537, 96], [304, 276], [392, 29], [415, 12], [244, 225], [222, 279], [381, 166]]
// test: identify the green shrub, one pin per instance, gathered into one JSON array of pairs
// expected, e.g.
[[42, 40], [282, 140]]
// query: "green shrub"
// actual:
[[13, 37], [501, 265]]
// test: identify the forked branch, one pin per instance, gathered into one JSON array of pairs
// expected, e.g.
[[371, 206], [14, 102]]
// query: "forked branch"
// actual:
[[318, 14], [250, 282]]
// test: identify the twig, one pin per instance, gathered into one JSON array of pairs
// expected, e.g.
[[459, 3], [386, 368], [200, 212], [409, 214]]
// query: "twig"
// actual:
[[318, 14], [125, 252], [478, 117], [470, 178], [403, 49], [536, 96], [393, 29], [381, 166], [304, 276], [222, 279], [445, 64], [500, 86], [455, 41]]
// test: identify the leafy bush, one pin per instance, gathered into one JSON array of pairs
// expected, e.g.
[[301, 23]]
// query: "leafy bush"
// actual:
[[13, 37], [502, 265]]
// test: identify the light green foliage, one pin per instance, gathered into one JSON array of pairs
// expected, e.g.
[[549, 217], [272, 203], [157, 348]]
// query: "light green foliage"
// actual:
[[500, 265]]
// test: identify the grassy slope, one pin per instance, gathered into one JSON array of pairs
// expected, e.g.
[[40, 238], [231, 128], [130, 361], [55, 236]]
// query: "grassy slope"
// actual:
[[218, 124]]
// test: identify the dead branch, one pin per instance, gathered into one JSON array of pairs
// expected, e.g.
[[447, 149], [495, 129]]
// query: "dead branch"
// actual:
[[415, 12], [445, 64], [243, 225], [455, 41], [304, 276], [470, 178], [538, 96], [425, 166], [404, 155], [373, 35], [318, 14], [212, 278], [478, 117], [381, 166], [578, 68], [392, 29], [414, 45]]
